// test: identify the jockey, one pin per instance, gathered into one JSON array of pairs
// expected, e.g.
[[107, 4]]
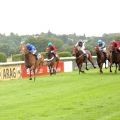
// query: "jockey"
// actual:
[[81, 46], [116, 44], [31, 48], [101, 45], [53, 49]]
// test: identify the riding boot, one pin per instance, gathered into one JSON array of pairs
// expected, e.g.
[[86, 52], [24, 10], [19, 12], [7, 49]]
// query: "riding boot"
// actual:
[[54, 55]]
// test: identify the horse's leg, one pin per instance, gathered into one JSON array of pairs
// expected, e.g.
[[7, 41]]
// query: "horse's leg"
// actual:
[[54, 68], [110, 68], [57, 65], [119, 66], [34, 74], [50, 70], [81, 68], [105, 64], [116, 67], [101, 65], [98, 65], [78, 65], [91, 61], [111, 63], [86, 65], [30, 75]]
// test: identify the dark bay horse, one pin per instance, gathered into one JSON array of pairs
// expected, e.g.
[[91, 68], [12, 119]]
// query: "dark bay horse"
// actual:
[[114, 57], [80, 58], [52, 61], [101, 58], [30, 61]]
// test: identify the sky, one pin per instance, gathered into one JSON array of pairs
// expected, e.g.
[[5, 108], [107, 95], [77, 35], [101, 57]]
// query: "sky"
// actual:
[[90, 17]]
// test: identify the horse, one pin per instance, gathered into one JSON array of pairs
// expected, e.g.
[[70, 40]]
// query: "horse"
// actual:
[[80, 58], [52, 61], [113, 57], [31, 62], [101, 58]]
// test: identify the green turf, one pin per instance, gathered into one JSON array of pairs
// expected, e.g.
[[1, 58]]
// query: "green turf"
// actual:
[[65, 96]]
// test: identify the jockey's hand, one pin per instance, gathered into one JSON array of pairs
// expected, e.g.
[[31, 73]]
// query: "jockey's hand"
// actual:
[[52, 51]]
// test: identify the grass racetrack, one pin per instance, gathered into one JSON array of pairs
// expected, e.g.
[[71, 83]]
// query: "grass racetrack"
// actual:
[[65, 96]]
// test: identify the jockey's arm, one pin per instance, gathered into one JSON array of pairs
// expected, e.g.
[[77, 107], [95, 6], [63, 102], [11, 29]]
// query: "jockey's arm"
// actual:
[[52, 51], [76, 44], [103, 46], [83, 46]]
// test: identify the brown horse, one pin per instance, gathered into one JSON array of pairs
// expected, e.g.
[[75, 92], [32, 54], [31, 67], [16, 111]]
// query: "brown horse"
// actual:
[[101, 58], [52, 61], [30, 61], [114, 57], [80, 58]]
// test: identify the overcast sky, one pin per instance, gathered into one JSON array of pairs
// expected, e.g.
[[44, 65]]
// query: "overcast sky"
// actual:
[[92, 17]]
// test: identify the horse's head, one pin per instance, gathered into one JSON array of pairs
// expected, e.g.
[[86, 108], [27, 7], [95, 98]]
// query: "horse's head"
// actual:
[[47, 50], [110, 48], [75, 51], [96, 49], [24, 50]]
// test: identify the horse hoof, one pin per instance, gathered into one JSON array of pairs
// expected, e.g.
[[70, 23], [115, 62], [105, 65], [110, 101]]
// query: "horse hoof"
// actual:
[[87, 69], [83, 71], [30, 79], [94, 67]]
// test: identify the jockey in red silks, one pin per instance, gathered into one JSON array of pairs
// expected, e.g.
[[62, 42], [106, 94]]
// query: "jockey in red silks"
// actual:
[[53, 49], [116, 44]]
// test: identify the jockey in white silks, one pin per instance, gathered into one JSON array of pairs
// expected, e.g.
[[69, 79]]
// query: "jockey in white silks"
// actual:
[[81, 46]]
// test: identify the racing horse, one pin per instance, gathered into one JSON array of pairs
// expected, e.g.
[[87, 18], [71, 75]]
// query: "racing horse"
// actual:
[[81, 58], [101, 58], [31, 62], [114, 57], [52, 61]]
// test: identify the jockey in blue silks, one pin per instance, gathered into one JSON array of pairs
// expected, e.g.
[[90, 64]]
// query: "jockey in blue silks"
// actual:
[[32, 49]]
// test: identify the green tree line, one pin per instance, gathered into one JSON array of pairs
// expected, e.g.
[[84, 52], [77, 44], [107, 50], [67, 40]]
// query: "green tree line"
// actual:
[[10, 43]]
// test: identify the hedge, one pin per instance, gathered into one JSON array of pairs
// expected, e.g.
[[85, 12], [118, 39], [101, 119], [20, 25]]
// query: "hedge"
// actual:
[[17, 57], [61, 54], [3, 57], [65, 54]]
